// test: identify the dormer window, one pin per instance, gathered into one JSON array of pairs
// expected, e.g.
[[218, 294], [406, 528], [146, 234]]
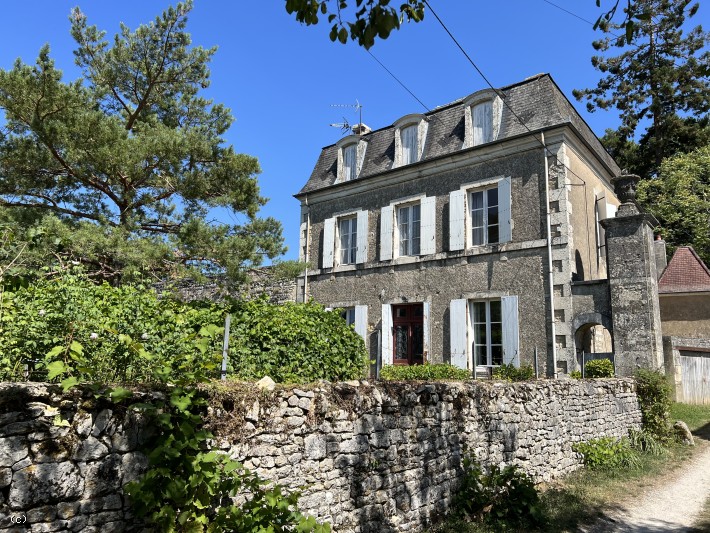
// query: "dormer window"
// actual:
[[483, 112], [351, 155], [409, 138]]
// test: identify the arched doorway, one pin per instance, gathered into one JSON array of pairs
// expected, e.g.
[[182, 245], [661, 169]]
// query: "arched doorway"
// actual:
[[593, 338]]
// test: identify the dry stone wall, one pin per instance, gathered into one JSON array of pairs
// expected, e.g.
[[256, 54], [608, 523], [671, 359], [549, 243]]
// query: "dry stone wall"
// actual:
[[381, 457]]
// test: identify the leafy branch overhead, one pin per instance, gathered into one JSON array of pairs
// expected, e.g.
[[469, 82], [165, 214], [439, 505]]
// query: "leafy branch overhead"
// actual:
[[363, 22], [132, 149]]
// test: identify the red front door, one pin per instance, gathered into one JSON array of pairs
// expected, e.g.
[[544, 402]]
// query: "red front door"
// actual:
[[408, 334]]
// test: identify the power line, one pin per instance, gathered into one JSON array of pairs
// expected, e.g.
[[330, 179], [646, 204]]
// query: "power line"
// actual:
[[398, 81]]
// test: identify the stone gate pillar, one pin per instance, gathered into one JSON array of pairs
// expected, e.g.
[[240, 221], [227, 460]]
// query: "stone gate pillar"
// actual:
[[633, 283]]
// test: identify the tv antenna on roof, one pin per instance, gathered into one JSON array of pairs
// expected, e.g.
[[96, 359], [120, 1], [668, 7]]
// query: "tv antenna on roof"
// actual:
[[345, 126]]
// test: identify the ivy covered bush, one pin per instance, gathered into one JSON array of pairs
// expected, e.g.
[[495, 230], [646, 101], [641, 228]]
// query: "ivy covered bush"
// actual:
[[654, 394], [73, 327], [108, 334], [294, 343], [425, 372]]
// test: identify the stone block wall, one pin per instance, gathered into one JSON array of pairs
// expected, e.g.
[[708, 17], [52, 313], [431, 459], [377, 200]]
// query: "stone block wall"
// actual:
[[380, 457]]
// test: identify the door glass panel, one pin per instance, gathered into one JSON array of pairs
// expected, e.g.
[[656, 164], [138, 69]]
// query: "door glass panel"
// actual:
[[417, 341], [400, 340], [497, 355]]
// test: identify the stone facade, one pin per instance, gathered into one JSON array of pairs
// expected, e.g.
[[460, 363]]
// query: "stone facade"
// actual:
[[379, 457], [64, 459]]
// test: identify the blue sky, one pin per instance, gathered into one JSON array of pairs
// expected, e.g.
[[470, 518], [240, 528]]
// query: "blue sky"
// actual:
[[281, 79]]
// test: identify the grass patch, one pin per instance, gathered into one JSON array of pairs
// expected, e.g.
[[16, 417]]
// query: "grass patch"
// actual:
[[696, 416]]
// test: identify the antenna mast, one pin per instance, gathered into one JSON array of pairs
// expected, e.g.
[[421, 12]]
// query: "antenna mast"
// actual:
[[345, 125]]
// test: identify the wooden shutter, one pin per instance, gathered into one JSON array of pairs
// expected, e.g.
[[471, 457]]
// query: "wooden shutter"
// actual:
[[457, 220], [427, 331], [387, 349], [328, 242], [511, 347], [428, 225], [386, 219], [458, 333], [362, 237], [361, 321], [505, 216]]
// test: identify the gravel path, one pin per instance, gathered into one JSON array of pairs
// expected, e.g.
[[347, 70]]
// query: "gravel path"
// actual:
[[672, 504]]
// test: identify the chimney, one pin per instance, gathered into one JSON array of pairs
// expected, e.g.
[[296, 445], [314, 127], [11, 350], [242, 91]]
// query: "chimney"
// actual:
[[659, 252], [361, 129]]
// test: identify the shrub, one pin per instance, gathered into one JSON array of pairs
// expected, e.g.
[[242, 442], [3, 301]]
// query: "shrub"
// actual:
[[293, 343], [120, 334], [510, 372], [507, 495], [425, 372], [646, 442], [599, 368], [607, 453], [654, 396], [576, 374]]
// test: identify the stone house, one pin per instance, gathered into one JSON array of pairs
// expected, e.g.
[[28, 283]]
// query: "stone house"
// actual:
[[472, 234]]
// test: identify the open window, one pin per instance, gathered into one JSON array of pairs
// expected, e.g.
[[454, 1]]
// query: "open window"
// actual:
[[484, 332], [345, 239], [407, 228], [480, 214]]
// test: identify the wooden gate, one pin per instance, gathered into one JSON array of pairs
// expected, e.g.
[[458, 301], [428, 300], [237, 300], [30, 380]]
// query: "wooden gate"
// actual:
[[695, 368]]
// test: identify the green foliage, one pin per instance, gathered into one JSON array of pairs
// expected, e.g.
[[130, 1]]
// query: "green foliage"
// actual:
[[508, 495], [511, 373], [294, 343], [425, 372], [654, 396], [599, 368], [76, 329], [188, 488], [607, 453], [363, 22], [576, 374], [680, 199], [660, 71], [646, 442], [120, 168]]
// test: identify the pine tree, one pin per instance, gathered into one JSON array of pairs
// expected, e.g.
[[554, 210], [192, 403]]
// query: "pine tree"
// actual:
[[122, 166], [660, 73]]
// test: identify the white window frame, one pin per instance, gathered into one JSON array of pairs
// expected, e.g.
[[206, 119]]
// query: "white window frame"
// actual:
[[332, 256], [486, 225], [348, 314], [390, 233], [421, 122], [489, 327], [410, 223], [461, 219], [351, 250]]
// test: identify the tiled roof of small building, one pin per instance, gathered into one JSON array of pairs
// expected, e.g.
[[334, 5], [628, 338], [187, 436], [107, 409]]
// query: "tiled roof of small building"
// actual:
[[537, 102], [686, 272]]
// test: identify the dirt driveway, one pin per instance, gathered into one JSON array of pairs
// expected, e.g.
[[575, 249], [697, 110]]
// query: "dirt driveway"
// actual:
[[671, 504]]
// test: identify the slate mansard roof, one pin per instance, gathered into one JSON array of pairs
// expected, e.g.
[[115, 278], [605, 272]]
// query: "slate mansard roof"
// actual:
[[537, 101]]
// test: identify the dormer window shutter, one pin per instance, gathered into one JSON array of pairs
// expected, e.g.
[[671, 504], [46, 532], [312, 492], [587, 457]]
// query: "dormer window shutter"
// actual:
[[328, 242], [350, 162], [410, 150], [457, 220], [482, 123], [386, 219], [362, 237]]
